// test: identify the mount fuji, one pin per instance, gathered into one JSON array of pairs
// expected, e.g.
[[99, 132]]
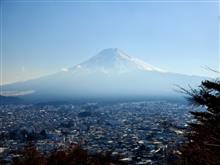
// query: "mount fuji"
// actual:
[[115, 61], [109, 74]]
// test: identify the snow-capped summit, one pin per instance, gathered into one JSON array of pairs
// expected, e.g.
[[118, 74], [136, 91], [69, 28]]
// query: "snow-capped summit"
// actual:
[[115, 60]]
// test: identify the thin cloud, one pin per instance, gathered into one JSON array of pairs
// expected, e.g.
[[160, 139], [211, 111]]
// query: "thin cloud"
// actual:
[[65, 69]]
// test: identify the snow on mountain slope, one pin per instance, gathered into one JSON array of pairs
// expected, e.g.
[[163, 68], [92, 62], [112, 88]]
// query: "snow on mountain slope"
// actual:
[[114, 60]]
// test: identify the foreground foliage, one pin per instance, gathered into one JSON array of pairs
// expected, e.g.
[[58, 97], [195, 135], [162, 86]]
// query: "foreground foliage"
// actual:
[[203, 146], [73, 155]]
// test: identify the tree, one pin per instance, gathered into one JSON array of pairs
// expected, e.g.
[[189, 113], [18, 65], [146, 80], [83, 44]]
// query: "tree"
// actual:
[[72, 155], [30, 156], [203, 146]]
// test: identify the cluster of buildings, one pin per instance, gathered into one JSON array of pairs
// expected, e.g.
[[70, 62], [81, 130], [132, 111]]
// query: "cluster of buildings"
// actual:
[[140, 132]]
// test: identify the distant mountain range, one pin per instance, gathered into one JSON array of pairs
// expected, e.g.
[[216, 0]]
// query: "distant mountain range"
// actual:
[[110, 74]]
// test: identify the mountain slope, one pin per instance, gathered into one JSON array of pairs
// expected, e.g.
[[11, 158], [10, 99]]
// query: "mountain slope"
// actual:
[[109, 74], [114, 60]]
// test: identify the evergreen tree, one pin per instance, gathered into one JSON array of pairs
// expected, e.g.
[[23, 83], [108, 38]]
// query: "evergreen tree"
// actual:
[[203, 145]]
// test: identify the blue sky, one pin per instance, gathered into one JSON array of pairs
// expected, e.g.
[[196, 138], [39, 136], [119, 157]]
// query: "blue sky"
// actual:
[[40, 38]]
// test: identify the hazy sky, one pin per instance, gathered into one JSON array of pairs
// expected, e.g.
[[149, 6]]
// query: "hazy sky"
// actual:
[[39, 38]]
